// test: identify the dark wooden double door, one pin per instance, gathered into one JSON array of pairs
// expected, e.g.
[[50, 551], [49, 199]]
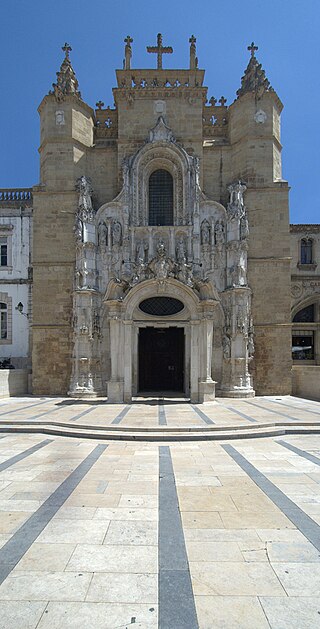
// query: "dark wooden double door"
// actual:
[[161, 359]]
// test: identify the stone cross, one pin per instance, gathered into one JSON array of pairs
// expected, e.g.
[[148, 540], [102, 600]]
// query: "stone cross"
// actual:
[[252, 49], [193, 58], [222, 101], [100, 104], [160, 50], [127, 52], [66, 49]]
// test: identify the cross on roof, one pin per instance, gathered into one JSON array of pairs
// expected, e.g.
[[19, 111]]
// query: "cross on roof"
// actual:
[[128, 40], [160, 50], [252, 49], [192, 39], [66, 49], [100, 104]]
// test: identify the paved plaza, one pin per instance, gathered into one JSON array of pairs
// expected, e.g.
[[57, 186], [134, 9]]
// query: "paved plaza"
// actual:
[[160, 514]]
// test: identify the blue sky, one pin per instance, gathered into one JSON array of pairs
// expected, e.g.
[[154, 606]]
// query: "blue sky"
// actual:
[[286, 31]]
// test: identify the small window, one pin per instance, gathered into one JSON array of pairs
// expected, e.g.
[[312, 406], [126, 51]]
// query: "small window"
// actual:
[[160, 198], [303, 345], [3, 321], [3, 251], [306, 251]]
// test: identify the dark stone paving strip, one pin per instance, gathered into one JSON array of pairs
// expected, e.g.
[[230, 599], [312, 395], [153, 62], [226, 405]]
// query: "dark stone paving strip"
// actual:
[[162, 415], [303, 453], [23, 408], [24, 454], [269, 410], [176, 599], [20, 542], [202, 415], [308, 527], [121, 415], [305, 410], [88, 410], [234, 410]]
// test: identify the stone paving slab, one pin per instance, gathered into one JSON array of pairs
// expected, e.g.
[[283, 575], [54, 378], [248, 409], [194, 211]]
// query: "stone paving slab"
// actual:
[[96, 562]]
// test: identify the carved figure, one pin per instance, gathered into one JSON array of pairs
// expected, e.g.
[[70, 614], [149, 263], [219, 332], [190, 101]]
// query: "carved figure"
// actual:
[[142, 249], [205, 232], [102, 235], [238, 275], [180, 251], [85, 191], [244, 227], [116, 233], [219, 233], [226, 346], [250, 345], [236, 191], [78, 228]]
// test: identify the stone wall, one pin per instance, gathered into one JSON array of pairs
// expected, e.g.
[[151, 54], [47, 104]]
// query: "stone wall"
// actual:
[[306, 381]]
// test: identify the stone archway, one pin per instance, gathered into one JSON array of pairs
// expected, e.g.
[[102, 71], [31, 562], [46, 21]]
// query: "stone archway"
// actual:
[[126, 319]]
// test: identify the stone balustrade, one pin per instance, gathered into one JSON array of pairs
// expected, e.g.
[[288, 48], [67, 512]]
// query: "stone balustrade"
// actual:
[[16, 197]]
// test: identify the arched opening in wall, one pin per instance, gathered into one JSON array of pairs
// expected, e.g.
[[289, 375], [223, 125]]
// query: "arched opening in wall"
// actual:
[[161, 349], [306, 253], [305, 333], [160, 198]]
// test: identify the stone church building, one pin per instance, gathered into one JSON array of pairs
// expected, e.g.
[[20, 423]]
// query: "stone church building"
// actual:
[[161, 242]]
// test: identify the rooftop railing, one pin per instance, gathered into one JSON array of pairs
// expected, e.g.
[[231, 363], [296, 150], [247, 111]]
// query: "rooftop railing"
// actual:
[[15, 197]]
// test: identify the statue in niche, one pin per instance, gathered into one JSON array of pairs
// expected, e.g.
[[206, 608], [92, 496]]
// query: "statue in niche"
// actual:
[[226, 346], [85, 190], [236, 208], [142, 250], [78, 229], [116, 233], [219, 233], [180, 251], [238, 275], [102, 235], [205, 232], [244, 227], [250, 345]]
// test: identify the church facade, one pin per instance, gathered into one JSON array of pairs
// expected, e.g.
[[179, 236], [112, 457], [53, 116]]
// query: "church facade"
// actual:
[[161, 250]]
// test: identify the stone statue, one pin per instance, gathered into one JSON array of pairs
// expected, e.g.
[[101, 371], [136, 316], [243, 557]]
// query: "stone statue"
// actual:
[[116, 233], [85, 190], [238, 275], [102, 235], [180, 251], [205, 232], [236, 208], [142, 249], [250, 345], [244, 227], [219, 233], [226, 346]]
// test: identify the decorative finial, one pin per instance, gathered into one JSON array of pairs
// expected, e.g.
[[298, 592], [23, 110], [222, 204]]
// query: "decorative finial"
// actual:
[[127, 53], [66, 49], [100, 104], [222, 101], [66, 79], [252, 48], [212, 101], [193, 58], [159, 50], [254, 78]]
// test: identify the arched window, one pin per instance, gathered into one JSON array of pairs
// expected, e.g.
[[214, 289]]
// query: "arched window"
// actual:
[[306, 251], [303, 336], [160, 198], [3, 320]]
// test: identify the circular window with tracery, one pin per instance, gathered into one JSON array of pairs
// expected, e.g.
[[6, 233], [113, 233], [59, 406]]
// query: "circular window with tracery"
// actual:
[[161, 306]]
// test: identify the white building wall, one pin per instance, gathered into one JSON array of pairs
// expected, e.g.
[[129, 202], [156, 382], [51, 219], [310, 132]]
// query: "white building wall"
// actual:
[[15, 287]]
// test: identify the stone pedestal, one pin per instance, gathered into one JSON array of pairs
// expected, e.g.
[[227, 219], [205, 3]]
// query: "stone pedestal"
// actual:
[[115, 390], [207, 391]]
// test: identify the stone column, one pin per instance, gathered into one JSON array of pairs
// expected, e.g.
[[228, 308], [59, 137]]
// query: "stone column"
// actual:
[[115, 384], [194, 362], [127, 361], [206, 384]]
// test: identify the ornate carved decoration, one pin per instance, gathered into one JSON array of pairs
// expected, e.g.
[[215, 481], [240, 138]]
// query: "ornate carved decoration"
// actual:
[[66, 79], [254, 78]]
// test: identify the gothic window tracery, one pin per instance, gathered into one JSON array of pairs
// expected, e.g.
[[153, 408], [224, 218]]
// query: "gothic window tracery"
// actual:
[[160, 198]]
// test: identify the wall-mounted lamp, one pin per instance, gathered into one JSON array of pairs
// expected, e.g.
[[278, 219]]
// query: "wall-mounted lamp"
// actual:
[[19, 307]]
